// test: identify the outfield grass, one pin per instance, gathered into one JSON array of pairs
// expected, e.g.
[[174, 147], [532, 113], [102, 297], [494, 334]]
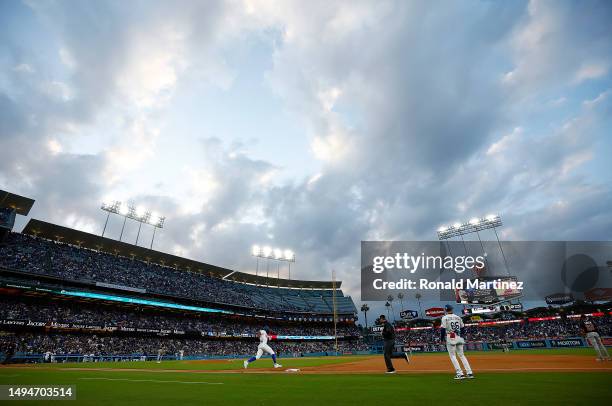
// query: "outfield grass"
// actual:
[[264, 363], [132, 388]]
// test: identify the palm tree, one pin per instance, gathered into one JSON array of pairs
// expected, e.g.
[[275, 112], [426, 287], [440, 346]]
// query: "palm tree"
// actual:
[[387, 305], [390, 301], [365, 309], [400, 296], [418, 297]]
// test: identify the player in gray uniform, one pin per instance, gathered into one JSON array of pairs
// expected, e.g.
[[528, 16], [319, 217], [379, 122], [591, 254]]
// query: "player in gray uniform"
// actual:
[[451, 332], [589, 330]]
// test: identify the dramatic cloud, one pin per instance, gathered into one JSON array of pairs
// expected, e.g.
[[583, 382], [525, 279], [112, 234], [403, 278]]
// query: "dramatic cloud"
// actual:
[[310, 125]]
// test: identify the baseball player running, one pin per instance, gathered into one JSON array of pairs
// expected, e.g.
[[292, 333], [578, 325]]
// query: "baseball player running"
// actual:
[[451, 332], [589, 330], [263, 347]]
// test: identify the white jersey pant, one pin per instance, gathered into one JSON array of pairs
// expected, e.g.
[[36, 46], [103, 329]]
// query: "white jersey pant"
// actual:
[[594, 339], [455, 348], [261, 348]]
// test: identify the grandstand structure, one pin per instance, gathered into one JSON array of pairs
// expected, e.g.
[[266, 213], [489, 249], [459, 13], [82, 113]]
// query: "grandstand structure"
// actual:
[[80, 296], [306, 298], [152, 295]]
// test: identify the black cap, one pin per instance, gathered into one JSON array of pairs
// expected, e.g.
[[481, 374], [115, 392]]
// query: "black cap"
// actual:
[[382, 316]]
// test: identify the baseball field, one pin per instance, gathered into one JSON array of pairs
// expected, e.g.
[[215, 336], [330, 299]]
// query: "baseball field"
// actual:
[[570, 376]]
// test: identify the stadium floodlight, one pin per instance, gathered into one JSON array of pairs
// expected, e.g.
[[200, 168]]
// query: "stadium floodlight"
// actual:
[[475, 225], [140, 212], [289, 255], [124, 209], [278, 253], [266, 252], [128, 211]]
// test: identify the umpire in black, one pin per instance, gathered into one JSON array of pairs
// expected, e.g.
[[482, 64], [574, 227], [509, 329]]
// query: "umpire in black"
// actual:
[[388, 335]]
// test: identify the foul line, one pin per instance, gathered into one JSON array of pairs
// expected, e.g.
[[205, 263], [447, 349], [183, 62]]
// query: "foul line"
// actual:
[[149, 380]]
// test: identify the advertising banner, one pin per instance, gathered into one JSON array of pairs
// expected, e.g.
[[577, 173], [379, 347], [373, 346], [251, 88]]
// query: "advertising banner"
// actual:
[[531, 344], [567, 342], [559, 298], [409, 314], [434, 312]]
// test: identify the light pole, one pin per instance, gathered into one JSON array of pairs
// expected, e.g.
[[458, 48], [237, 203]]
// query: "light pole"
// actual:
[[127, 211], [475, 225], [275, 254], [387, 305]]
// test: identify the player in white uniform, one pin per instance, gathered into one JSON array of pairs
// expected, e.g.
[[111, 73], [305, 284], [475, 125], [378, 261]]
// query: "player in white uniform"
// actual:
[[263, 347], [451, 331]]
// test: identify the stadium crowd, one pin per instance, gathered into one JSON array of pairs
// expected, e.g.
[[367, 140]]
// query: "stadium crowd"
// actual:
[[113, 316], [559, 328], [80, 344], [44, 257]]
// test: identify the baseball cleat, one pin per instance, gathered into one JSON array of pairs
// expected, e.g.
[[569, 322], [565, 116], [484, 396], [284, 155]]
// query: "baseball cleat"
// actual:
[[598, 359], [470, 376], [406, 357], [246, 364], [278, 366], [390, 372], [459, 377]]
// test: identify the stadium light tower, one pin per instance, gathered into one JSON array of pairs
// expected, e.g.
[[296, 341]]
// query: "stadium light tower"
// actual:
[[109, 207], [268, 253], [139, 214], [474, 225]]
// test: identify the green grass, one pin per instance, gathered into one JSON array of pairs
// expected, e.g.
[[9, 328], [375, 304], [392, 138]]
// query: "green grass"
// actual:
[[154, 388], [264, 363], [286, 389]]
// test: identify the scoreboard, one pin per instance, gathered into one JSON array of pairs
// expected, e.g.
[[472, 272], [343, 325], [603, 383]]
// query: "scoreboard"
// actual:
[[488, 296]]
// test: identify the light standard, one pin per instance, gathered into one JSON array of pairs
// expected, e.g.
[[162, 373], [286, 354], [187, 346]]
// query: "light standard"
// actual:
[[276, 254], [475, 225], [387, 305], [128, 211]]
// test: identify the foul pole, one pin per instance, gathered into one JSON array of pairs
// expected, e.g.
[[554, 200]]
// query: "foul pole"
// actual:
[[334, 304]]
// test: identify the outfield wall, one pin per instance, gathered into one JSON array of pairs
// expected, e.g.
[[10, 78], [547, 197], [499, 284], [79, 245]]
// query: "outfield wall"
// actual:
[[569, 342]]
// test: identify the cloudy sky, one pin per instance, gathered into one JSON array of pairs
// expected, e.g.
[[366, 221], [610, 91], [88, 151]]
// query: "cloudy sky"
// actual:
[[310, 125]]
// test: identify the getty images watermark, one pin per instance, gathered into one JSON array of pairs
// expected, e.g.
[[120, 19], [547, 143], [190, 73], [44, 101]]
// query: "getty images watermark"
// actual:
[[483, 271]]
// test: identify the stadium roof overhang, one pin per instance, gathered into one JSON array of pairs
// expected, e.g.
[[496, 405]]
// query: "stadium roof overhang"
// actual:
[[281, 283], [67, 235], [21, 204]]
